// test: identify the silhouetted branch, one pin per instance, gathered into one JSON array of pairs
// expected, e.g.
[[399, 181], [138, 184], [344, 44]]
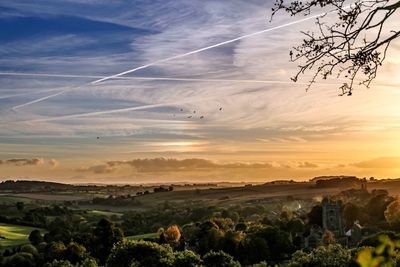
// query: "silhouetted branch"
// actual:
[[354, 45]]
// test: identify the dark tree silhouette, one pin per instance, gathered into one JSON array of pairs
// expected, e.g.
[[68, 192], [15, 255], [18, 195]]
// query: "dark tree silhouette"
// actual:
[[352, 47], [35, 237], [104, 237]]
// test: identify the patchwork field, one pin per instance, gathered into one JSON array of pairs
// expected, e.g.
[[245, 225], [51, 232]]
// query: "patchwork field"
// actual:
[[144, 236], [104, 213], [11, 198], [14, 235], [224, 196]]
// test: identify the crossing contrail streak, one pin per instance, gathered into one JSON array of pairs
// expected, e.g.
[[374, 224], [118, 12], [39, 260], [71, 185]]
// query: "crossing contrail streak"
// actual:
[[28, 93], [121, 78], [120, 110], [205, 48], [39, 99], [48, 75], [178, 56], [142, 79]]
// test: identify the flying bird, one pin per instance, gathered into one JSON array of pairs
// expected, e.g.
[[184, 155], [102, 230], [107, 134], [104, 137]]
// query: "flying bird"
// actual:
[[220, 108], [194, 111], [189, 117], [201, 117], [98, 137]]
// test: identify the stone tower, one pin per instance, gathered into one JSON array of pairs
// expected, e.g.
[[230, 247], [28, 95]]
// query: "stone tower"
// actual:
[[332, 217]]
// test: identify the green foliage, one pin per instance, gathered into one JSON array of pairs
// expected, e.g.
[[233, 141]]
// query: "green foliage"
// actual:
[[30, 249], [143, 253], [376, 207], [255, 249], [241, 227], [20, 206], [260, 264], [324, 256], [75, 253], [88, 262], [385, 254], [351, 213], [65, 263], [315, 216], [35, 237], [392, 213], [295, 225], [58, 263], [187, 258], [19, 259], [104, 237], [209, 239], [328, 238], [56, 251], [278, 242], [219, 259], [231, 241], [374, 240]]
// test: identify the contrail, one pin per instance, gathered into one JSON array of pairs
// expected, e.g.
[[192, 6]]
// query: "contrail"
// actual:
[[29, 93], [179, 56], [61, 91], [40, 99], [141, 78], [47, 75], [120, 110], [205, 48], [89, 114]]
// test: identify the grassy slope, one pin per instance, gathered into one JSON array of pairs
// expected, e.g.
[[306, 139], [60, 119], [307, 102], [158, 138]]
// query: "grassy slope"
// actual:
[[144, 236], [104, 213], [15, 234], [12, 199], [235, 195], [217, 196]]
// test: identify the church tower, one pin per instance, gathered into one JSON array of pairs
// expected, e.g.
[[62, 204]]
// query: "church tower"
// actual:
[[332, 217]]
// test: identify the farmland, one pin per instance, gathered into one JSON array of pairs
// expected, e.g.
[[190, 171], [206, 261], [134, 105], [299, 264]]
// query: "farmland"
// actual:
[[203, 218], [14, 235], [143, 236]]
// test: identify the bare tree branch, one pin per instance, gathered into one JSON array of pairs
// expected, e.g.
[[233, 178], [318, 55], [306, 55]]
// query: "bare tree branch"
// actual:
[[353, 47]]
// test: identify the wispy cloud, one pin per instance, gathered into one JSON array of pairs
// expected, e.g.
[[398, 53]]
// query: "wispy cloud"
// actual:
[[53, 163], [379, 163], [97, 169], [174, 165], [179, 56], [23, 162], [307, 164]]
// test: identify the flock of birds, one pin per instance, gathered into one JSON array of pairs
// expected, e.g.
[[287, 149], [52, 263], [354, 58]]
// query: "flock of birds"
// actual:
[[194, 112], [181, 110]]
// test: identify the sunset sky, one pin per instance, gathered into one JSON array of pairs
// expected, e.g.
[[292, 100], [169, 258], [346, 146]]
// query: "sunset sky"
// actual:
[[51, 112]]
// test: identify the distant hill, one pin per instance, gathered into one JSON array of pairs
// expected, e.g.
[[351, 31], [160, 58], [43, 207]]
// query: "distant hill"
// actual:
[[318, 178], [30, 186], [339, 181]]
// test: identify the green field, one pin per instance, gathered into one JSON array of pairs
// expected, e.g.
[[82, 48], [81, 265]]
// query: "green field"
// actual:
[[12, 199], [104, 213], [14, 234], [144, 236]]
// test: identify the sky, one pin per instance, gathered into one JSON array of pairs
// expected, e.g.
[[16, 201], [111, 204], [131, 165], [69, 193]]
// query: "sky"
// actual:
[[204, 95]]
